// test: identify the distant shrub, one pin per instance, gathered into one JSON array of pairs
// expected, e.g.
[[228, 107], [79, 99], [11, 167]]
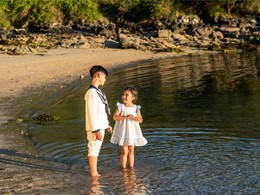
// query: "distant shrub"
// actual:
[[4, 21], [83, 11], [164, 10], [217, 12], [24, 12], [250, 7], [21, 13]]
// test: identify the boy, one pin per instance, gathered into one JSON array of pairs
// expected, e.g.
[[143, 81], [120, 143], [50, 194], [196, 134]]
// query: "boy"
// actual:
[[96, 108]]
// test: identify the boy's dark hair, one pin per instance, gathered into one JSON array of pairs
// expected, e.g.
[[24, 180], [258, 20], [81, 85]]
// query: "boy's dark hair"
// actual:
[[133, 90], [97, 68]]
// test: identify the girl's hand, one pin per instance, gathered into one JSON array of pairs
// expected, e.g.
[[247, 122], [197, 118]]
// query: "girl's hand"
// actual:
[[136, 118], [132, 117]]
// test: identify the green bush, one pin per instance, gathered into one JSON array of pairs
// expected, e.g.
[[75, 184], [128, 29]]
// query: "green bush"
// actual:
[[21, 13], [138, 10], [217, 12], [135, 10], [4, 21], [24, 12], [164, 10], [83, 11], [250, 7]]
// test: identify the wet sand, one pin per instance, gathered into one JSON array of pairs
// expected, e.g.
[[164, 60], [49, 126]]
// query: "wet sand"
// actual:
[[24, 79]]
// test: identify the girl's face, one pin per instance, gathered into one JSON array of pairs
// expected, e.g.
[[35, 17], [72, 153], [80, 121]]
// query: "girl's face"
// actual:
[[127, 97]]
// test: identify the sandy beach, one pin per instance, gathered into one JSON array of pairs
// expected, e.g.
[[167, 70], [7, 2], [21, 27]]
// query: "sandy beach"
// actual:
[[21, 170]]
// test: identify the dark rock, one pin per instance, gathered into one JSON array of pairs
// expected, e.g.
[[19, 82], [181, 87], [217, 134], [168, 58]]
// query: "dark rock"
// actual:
[[154, 36]]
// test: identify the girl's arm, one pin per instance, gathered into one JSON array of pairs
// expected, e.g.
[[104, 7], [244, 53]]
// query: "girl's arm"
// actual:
[[139, 117], [117, 116]]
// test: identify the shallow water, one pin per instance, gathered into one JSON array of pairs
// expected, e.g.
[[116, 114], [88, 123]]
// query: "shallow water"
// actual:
[[201, 119]]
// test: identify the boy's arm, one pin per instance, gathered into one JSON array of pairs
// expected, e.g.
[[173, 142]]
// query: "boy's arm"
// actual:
[[92, 111]]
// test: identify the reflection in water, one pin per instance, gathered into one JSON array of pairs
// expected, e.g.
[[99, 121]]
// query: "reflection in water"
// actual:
[[129, 179], [95, 186], [201, 120]]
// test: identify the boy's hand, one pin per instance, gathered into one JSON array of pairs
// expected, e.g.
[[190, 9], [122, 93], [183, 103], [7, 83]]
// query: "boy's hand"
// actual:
[[99, 135], [110, 129]]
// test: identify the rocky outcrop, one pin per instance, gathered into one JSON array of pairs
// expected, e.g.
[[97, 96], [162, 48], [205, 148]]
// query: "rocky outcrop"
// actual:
[[158, 37]]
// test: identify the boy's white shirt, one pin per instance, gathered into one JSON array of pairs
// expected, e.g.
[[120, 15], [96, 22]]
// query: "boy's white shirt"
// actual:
[[95, 112]]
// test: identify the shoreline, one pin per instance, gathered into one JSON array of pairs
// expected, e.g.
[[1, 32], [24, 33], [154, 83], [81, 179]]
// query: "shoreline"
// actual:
[[40, 72], [59, 67], [20, 72]]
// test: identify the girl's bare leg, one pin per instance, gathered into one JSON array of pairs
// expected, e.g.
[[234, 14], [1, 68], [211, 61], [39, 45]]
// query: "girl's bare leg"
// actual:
[[93, 166], [131, 157], [123, 156]]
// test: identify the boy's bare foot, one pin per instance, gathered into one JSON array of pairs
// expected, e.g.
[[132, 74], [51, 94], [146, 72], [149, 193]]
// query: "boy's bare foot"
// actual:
[[95, 175]]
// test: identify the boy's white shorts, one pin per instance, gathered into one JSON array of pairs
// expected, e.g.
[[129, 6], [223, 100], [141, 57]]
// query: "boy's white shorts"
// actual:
[[94, 145]]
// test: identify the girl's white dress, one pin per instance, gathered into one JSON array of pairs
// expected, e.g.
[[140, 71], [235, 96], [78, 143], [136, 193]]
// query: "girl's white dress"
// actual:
[[127, 132]]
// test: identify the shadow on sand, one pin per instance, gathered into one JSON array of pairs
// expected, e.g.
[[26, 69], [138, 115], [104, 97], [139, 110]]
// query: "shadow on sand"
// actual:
[[30, 161]]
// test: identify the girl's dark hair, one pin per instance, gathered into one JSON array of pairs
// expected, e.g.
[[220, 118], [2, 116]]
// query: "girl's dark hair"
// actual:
[[133, 91]]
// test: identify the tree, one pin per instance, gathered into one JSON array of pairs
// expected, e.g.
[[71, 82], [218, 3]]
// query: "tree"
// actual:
[[229, 5]]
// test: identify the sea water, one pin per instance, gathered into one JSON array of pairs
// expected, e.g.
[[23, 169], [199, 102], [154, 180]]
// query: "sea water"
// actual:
[[201, 119]]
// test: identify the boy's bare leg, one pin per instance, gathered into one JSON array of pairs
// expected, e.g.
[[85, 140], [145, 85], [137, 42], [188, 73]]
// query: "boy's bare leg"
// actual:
[[93, 166]]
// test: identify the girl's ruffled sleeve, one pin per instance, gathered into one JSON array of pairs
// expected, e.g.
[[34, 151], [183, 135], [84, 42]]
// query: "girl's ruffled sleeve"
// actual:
[[138, 107], [119, 106]]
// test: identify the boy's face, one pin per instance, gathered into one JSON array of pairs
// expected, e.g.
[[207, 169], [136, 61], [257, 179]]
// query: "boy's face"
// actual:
[[103, 77]]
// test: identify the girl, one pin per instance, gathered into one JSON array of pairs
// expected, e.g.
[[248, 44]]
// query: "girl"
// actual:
[[127, 132]]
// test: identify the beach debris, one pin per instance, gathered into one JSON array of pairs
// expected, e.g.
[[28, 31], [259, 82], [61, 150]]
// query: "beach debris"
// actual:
[[19, 120], [46, 119], [43, 119], [24, 133]]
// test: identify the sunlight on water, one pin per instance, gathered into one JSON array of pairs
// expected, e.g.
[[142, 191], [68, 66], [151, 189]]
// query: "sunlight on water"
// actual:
[[201, 120]]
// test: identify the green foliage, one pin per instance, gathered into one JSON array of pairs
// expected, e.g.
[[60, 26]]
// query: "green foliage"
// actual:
[[140, 10], [228, 5], [163, 10], [136, 10], [217, 11], [84, 11], [250, 7], [21, 13], [4, 21]]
